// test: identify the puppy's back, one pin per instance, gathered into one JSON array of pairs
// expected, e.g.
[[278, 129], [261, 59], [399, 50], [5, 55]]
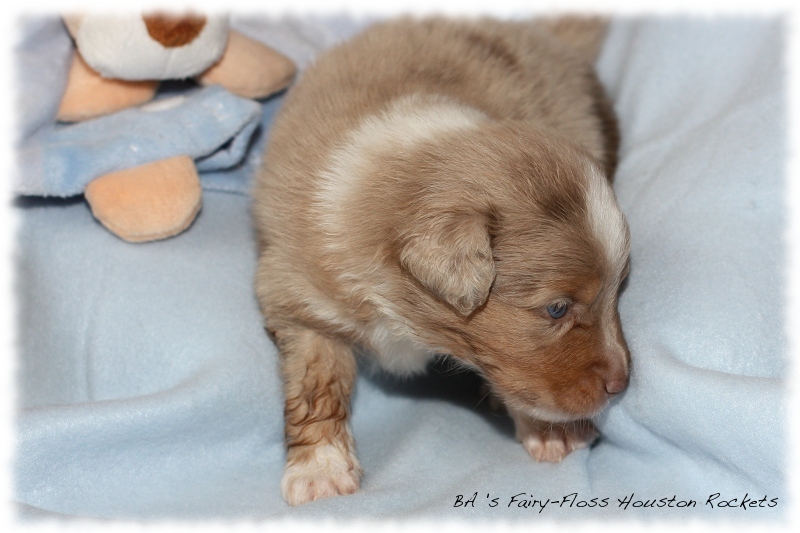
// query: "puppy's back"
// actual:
[[585, 34], [508, 70], [536, 71]]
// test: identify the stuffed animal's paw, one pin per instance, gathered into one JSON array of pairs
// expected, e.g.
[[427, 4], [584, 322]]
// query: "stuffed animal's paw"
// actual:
[[149, 202], [250, 69], [89, 95]]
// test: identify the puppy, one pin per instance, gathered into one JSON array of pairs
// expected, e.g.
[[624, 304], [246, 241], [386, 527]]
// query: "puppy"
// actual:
[[438, 186]]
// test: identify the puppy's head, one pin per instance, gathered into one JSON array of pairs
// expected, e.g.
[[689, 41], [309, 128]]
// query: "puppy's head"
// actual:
[[520, 247]]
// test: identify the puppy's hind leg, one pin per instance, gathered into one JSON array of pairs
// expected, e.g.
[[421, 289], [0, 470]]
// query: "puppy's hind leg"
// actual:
[[549, 441], [319, 374]]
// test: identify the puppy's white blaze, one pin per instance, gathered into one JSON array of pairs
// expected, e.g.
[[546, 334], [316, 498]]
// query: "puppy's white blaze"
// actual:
[[408, 121], [611, 230], [606, 219]]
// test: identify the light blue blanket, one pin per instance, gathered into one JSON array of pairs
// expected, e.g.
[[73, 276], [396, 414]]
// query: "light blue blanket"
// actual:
[[148, 389]]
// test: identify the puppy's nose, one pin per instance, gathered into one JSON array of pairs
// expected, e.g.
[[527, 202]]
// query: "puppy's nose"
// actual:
[[615, 386], [615, 378]]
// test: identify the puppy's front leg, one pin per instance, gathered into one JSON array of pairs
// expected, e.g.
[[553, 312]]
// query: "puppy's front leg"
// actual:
[[318, 374], [549, 441]]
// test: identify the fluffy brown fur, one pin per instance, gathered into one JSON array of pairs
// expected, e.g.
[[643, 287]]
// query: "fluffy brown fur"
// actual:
[[433, 186]]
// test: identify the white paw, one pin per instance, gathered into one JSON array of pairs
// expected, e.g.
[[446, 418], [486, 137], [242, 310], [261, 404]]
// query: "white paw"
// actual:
[[552, 442], [331, 472]]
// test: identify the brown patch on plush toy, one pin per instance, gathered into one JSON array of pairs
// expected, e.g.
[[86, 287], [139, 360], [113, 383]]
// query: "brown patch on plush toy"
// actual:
[[174, 31], [149, 202]]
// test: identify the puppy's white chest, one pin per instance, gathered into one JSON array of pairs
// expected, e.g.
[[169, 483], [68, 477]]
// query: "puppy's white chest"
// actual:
[[396, 351]]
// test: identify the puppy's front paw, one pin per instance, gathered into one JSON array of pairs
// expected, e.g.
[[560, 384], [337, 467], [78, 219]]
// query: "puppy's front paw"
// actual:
[[552, 442], [329, 472]]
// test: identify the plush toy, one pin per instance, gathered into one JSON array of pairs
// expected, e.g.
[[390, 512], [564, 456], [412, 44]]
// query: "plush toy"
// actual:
[[118, 64]]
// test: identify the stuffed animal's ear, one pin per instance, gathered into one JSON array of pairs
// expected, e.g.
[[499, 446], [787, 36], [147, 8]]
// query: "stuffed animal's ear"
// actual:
[[452, 257]]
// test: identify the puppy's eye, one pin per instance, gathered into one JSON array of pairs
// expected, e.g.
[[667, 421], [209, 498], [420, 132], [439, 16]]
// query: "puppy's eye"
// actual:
[[557, 310]]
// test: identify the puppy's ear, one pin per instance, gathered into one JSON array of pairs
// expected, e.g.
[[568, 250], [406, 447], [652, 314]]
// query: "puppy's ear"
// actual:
[[451, 256]]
